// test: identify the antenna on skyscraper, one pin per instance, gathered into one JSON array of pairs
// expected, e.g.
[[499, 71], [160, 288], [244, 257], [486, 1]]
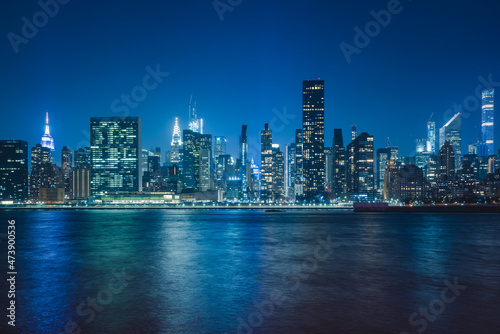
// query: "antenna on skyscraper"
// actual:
[[388, 142], [431, 117]]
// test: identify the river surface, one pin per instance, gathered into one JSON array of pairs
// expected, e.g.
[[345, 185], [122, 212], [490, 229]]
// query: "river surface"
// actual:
[[244, 271]]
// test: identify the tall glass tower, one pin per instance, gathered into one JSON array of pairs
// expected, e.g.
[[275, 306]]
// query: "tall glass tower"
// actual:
[[487, 121], [115, 154], [431, 137], [452, 132], [313, 126]]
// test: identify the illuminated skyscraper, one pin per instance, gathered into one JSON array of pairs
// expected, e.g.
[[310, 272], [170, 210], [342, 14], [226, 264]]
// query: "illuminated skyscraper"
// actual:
[[266, 163], [197, 160], [244, 161], [431, 137], [313, 126], [385, 155], [487, 121], [195, 123], [354, 132], [116, 154], [219, 146], [360, 168], [452, 132], [176, 144], [47, 140], [67, 167], [338, 177], [13, 170], [299, 164]]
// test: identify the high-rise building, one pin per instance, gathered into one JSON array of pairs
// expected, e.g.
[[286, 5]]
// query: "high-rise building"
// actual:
[[67, 167], [13, 170], [299, 164], [360, 168], [420, 145], [40, 157], [487, 121], [452, 132], [244, 161], [384, 155], [338, 177], [176, 145], [313, 127], [47, 140], [266, 163], [219, 146], [80, 182], [116, 154], [446, 163], [278, 173], [197, 160], [82, 157], [328, 168], [290, 171], [431, 137], [195, 123], [354, 132]]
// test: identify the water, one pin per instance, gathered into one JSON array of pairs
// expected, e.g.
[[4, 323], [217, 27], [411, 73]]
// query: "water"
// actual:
[[210, 271]]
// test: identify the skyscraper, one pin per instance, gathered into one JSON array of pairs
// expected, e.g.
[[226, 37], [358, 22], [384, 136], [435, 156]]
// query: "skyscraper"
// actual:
[[266, 163], [47, 140], [195, 123], [67, 166], [446, 163], [384, 155], [452, 132], [197, 160], [219, 146], [40, 156], [354, 132], [278, 173], [338, 177], [176, 144], [313, 126], [13, 170], [299, 164], [360, 168], [431, 137], [487, 121], [244, 161], [116, 154], [82, 157]]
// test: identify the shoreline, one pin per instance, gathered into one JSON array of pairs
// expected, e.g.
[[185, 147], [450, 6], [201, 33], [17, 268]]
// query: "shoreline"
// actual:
[[375, 208]]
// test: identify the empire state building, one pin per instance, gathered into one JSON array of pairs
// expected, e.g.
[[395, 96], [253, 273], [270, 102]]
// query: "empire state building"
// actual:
[[47, 140]]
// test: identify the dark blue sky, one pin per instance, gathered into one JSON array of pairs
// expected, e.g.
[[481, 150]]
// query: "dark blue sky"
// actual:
[[426, 60]]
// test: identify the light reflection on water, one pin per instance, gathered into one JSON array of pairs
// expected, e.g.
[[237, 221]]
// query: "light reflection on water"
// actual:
[[207, 271]]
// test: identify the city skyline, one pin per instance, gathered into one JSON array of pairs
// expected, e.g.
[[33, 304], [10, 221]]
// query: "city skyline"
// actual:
[[242, 71]]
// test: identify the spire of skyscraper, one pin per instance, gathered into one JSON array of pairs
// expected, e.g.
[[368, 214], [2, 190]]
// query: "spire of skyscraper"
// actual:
[[47, 140], [176, 143]]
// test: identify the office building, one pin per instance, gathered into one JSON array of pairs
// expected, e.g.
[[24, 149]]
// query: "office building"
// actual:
[[219, 146], [360, 169], [487, 121], [431, 137], [13, 171], [338, 157], [452, 132], [313, 127], [116, 154], [266, 163]]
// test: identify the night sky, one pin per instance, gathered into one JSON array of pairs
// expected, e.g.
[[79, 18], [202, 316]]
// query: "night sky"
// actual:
[[240, 69]]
